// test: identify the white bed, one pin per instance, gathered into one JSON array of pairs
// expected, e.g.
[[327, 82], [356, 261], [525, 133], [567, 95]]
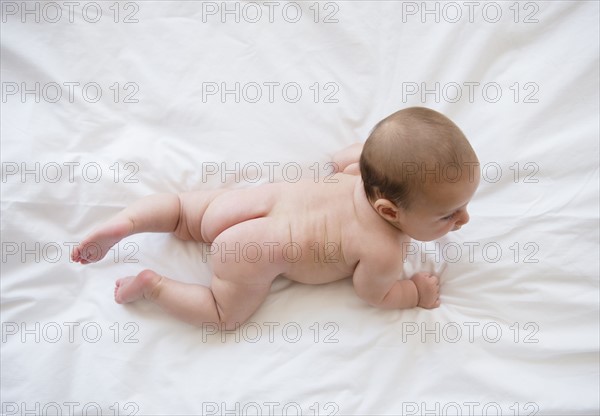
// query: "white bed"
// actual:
[[518, 329]]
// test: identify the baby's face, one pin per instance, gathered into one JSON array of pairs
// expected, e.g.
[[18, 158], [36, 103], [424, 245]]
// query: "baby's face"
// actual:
[[440, 209]]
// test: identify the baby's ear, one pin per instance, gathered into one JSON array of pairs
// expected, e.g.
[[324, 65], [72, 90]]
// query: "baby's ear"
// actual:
[[387, 209]]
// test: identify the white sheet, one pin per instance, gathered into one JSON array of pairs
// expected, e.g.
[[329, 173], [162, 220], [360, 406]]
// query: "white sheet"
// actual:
[[517, 332]]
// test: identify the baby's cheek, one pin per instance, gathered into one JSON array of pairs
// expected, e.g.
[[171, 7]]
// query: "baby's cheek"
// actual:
[[446, 228]]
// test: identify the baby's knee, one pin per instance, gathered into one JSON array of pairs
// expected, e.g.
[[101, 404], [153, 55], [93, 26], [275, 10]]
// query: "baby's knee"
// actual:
[[229, 321]]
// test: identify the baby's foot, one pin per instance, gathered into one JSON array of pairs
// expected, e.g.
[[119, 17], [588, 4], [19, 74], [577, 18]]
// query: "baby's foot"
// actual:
[[428, 287], [130, 289], [96, 245]]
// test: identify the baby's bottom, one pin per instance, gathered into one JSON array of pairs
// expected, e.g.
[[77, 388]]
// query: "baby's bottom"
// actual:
[[240, 283]]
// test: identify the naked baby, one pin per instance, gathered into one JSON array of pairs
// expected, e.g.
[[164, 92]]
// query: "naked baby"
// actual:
[[413, 178]]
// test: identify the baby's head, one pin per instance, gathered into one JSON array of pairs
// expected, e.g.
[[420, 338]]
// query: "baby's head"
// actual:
[[419, 172]]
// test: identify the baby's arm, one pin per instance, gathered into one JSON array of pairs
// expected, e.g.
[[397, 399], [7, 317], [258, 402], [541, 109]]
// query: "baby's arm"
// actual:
[[346, 160], [382, 289]]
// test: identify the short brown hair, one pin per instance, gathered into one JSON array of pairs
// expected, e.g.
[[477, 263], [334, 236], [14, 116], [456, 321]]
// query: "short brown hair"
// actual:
[[405, 148]]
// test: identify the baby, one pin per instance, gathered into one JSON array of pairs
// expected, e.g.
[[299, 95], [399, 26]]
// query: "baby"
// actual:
[[413, 178]]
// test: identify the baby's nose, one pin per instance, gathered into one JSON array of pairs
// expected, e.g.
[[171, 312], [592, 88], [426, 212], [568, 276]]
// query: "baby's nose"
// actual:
[[463, 219]]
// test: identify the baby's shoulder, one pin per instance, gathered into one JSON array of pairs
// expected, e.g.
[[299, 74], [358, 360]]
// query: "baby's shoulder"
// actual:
[[378, 249], [383, 249]]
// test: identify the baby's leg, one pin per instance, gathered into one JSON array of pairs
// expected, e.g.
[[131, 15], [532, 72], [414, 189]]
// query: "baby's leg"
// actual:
[[227, 305], [242, 277], [158, 213], [154, 213]]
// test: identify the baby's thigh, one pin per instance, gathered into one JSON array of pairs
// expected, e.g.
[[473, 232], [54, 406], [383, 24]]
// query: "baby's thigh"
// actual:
[[249, 252]]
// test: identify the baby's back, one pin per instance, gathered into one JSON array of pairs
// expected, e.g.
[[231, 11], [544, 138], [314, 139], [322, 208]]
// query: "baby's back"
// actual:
[[326, 233], [317, 216]]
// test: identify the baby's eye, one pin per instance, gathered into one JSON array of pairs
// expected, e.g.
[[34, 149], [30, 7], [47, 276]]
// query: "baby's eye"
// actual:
[[448, 217]]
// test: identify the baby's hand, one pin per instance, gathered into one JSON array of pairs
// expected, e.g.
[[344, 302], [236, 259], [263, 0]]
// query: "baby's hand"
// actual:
[[428, 286]]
